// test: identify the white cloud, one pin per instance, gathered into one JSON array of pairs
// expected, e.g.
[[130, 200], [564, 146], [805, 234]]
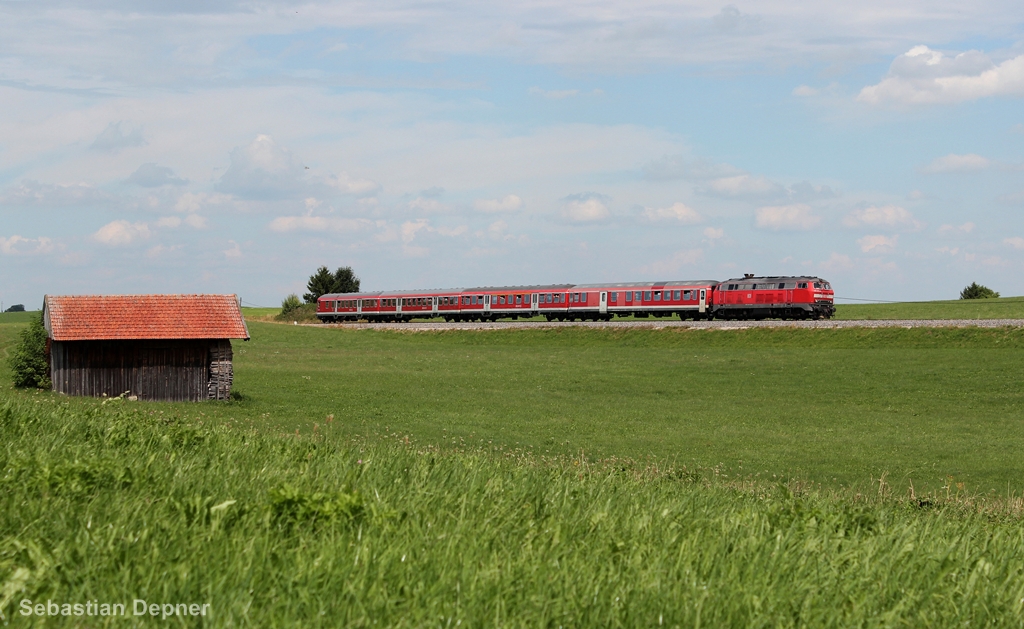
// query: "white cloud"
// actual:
[[349, 185], [114, 138], [674, 263], [36, 194], [508, 203], [892, 216], [1016, 242], [18, 245], [283, 224], [837, 262], [671, 167], [786, 217], [957, 163], [410, 228], [121, 233], [677, 212], [553, 94], [712, 233], [805, 90], [234, 251], [194, 220], [192, 202], [743, 186], [586, 208], [153, 176], [966, 228], [926, 76], [168, 221], [261, 170], [427, 205], [877, 244]]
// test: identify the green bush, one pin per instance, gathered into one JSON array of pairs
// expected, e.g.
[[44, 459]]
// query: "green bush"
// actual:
[[977, 291], [291, 302], [29, 361]]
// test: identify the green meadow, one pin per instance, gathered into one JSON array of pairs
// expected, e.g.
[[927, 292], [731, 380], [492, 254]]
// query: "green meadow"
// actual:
[[521, 478], [1002, 308]]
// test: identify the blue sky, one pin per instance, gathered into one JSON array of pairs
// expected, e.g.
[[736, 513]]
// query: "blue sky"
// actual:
[[236, 146]]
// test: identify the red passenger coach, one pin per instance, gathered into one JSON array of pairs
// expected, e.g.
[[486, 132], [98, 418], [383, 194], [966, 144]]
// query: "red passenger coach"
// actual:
[[774, 297], [347, 306]]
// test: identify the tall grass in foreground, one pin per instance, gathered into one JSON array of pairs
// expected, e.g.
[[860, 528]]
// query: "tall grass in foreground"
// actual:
[[117, 502]]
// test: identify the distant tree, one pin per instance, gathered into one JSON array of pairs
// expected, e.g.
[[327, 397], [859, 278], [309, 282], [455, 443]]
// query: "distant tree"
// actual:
[[345, 281], [16, 308], [322, 282], [977, 291], [291, 302], [28, 361]]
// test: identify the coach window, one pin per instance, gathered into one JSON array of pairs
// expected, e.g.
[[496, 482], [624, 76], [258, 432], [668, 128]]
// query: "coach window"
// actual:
[[613, 297], [647, 295], [657, 295]]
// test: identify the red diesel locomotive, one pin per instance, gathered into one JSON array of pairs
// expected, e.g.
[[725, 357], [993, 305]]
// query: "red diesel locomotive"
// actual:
[[744, 298]]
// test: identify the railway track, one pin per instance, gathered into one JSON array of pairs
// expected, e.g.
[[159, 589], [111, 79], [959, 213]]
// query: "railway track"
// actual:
[[425, 326]]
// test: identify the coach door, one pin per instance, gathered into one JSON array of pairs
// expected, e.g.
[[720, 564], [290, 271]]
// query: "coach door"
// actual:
[[433, 304], [703, 300], [487, 303], [534, 300], [359, 306], [604, 301], [398, 306]]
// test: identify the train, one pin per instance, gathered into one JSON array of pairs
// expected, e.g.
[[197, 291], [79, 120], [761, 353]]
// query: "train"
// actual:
[[749, 297]]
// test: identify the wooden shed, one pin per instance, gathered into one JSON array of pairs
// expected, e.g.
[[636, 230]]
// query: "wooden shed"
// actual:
[[155, 347]]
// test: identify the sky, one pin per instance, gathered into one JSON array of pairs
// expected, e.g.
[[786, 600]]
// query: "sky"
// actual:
[[234, 147]]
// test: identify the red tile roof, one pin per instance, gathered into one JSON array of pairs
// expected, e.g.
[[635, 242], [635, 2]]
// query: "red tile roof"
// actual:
[[108, 317]]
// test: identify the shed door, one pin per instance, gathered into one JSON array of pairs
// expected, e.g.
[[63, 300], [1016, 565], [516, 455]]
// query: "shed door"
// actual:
[[703, 300], [604, 302]]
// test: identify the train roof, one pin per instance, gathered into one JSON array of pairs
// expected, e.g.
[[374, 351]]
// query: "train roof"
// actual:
[[524, 288], [531, 287], [776, 278], [650, 284]]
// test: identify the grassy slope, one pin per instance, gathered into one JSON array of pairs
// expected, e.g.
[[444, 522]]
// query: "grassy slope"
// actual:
[[837, 407], [120, 501], [16, 317], [1003, 308]]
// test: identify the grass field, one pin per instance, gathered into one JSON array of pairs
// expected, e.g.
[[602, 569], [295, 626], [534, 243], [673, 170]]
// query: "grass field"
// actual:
[[839, 407], [561, 477], [1002, 308], [116, 502]]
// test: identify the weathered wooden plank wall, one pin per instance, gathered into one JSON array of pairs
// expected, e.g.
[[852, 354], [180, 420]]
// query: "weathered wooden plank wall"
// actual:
[[176, 370]]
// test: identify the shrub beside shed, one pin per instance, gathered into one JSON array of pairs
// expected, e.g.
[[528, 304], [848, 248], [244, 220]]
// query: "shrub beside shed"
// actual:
[[155, 347]]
